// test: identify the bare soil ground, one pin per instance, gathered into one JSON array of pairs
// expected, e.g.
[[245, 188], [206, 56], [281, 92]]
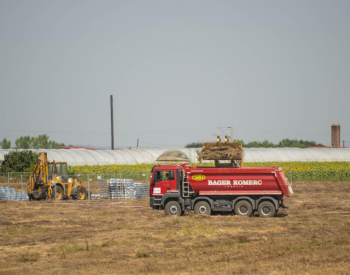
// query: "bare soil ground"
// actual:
[[102, 237]]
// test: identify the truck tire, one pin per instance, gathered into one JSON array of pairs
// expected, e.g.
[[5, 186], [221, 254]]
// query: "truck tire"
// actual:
[[81, 193], [173, 208], [202, 207], [60, 193], [243, 208], [266, 209]]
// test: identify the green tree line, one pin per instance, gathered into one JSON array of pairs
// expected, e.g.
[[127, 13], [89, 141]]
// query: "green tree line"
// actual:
[[266, 144], [28, 142]]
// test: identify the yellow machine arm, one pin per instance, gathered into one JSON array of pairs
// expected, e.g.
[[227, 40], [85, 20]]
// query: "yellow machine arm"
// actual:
[[39, 186]]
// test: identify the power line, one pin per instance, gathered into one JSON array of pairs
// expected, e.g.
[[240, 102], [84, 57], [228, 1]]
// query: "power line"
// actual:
[[160, 144], [298, 133], [103, 133], [155, 132]]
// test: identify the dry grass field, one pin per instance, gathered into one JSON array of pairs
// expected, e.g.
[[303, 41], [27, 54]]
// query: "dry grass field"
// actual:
[[102, 237]]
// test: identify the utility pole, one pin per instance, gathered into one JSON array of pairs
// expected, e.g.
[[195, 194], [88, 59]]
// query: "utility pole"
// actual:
[[343, 143], [112, 126], [220, 128], [137, 146]]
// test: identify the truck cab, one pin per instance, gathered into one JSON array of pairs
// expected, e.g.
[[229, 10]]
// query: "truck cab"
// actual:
[[165, 183], [165, 179], [169, 189]]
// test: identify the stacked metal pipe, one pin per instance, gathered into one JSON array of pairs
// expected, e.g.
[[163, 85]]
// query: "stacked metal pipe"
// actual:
[[115, 188], [141, 190], [122, 189], [129, 189], [98, 196], [7, 193]]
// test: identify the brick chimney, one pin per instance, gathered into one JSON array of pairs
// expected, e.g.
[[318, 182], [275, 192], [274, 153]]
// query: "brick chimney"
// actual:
[[335, 135]]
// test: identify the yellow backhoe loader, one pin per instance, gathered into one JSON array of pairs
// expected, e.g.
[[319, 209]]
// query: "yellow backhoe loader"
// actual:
[[50, 180]]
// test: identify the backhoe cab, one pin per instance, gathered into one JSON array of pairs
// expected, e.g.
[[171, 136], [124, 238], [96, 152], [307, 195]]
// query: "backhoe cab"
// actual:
[[51, 180]]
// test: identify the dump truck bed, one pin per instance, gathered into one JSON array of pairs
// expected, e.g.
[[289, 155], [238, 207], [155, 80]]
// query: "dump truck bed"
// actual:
[[238, 181]]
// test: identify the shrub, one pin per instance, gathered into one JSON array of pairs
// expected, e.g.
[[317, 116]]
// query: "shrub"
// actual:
[[19, 161]]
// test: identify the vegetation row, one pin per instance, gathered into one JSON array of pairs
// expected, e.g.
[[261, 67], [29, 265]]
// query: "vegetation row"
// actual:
[[284, 143], [315, 171], [298, 171]]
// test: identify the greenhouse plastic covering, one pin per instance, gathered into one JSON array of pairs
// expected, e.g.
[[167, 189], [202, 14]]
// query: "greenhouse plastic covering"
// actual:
[[76, 157]]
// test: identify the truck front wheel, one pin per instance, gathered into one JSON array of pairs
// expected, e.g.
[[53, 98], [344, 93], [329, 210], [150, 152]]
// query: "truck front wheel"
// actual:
[[266, 209], [243, 208], [202, 207], [173, 208]]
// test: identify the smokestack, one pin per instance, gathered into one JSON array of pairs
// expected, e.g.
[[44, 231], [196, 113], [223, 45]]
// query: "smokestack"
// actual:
[[335, 135]]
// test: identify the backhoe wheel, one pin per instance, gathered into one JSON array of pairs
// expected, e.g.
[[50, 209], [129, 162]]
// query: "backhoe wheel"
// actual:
[[58, 193], [202, 207], [266, 209], [243, 208], [173, 208], [81, 193]]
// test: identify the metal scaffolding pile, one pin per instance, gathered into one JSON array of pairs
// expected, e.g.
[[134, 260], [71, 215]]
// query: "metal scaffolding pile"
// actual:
[[7, 193], [141, 190], [122, 189], [115, 189], [98, 196], [129, 189]]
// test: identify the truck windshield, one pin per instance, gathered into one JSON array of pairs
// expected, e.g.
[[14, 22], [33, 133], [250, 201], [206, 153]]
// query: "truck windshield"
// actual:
[[164, 175]]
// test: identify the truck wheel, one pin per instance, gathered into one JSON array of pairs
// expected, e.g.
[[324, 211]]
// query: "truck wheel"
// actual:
[[81, 193], [202, 207], [59, 196], [266, 209], [173, 208], [243, 208]]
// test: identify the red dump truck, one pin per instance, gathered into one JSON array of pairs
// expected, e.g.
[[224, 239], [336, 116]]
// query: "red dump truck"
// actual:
[[176, 188]]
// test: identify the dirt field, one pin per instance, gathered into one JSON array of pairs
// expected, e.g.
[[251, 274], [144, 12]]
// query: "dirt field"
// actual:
[[313, 237]]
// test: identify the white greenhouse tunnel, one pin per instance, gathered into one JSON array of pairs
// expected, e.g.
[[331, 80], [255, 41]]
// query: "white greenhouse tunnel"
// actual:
[[76, 157]]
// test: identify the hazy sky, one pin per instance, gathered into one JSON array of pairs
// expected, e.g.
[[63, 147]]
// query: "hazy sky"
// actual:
[[177, 70]]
